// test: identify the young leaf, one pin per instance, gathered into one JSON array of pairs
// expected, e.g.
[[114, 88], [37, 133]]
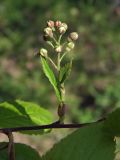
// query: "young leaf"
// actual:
[[65, 72], [23, 114], [22, 152], [87, 143], [50, 75]]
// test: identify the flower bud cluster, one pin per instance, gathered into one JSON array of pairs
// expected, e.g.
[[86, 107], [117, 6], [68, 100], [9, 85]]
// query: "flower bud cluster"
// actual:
[[52, 35], [53, 26]]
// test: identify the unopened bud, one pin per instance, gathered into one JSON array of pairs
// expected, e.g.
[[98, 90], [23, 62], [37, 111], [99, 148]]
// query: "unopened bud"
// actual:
[[74, 36], [62, 30], [50, 24], [63, 27], [43, 52], [68, 49], [58, 23], [58, 49], [48, 32], [70, 46]]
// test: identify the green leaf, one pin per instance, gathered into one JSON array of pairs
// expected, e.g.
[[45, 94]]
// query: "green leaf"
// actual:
[[50, 75], [22, 152], [65, 72], [87, 143], [117, 151], [23, 114], [112, 123]]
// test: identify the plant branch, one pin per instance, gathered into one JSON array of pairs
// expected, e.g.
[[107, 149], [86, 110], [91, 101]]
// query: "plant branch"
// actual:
[[57, 124], [54, 125], [11, 150]]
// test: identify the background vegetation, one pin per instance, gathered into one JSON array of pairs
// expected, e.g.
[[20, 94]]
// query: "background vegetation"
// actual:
[[94, 87]]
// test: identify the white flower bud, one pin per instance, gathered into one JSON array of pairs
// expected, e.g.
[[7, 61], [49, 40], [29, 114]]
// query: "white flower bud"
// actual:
[[63, 27], [58, 49], [50, 24], [48, 32], [70, 46], [43, 52], [58, 23], [62, 30], [74, 36]]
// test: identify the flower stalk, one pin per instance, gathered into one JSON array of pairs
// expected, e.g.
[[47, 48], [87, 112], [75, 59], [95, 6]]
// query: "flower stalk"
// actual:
[[51, 32]]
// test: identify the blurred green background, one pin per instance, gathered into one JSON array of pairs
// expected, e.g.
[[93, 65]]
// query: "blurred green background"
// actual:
[[93, 89]]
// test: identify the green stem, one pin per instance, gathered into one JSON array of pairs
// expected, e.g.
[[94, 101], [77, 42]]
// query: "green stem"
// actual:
[[61, 112], [61, 107], [52, 63], [59, 39], [55, 40], [63, 56], [62, 89], [50, 43], [58, 62]]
